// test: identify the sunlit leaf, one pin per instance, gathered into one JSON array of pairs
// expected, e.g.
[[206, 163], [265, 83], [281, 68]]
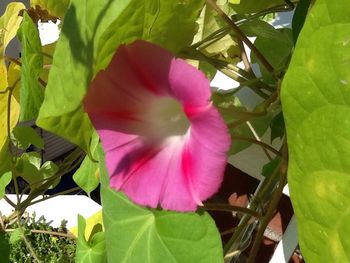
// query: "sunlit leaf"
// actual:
[[5, 179], [32, 93], [13, 82], [54, 7], [9, 24], [221, 47], [30, 169], [15, 236], [134, 233], [316, 106], [155, 21], [94, 224], [86, 176], [90, 251], [22, 137]]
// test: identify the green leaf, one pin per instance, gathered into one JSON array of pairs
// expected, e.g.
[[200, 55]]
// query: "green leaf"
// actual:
[[260, 28], [87, 176], [30, 169], [134, 232], [92, 251], [15, 236], [92, 27], [277, 127], [238, 120], [316, 106], [253, 6], [4, 248], [23, 137], [55, 8], [270, 167], [5, 179], [299, 17], [223, 46], [155, 21], [276, 48], [32, 94], [74, 126]]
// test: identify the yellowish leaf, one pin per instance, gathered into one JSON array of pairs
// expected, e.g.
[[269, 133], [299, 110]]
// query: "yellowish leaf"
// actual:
[[91, 222], [9, 24], [13, 80]]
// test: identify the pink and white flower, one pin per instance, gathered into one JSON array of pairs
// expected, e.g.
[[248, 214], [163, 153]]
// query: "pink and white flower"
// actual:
[[165, 143]]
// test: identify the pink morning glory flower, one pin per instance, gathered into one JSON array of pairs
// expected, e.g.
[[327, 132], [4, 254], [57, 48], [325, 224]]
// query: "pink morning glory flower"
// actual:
[[165, 143]]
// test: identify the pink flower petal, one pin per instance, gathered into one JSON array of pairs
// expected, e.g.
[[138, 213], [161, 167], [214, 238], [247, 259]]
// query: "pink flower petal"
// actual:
[[164, 141]]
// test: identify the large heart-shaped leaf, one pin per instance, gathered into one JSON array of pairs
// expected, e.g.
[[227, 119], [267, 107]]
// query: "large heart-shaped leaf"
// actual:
[[316, 106], [134, 233], [155, 21]]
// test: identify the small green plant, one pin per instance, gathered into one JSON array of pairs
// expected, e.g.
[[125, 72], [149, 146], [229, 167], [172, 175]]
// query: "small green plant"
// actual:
[[50, 244]]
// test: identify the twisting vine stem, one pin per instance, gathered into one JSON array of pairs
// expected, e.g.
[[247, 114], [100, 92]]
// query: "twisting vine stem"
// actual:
[[271, 207], [242, 36]]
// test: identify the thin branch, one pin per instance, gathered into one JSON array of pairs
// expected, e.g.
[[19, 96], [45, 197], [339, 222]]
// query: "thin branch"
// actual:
[[53, 233], [271, 209], [228, 231], [257, 137], [75, 189], [9, 201], [231, 208], [29, 245], [4, 91], [242, 36], [266, 146]]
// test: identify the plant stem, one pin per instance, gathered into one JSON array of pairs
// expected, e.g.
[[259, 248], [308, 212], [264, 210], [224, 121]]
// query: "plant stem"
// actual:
[[255, 203], [9, 99], [68, 191], [230, 208], [27, 242], [53, 233], [266, 146], [4, 91], [228, 231], [242, 36], [271, 209], [9, 201]]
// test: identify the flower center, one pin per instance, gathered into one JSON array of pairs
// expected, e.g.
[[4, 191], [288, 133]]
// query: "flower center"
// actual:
[[168, 118]]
